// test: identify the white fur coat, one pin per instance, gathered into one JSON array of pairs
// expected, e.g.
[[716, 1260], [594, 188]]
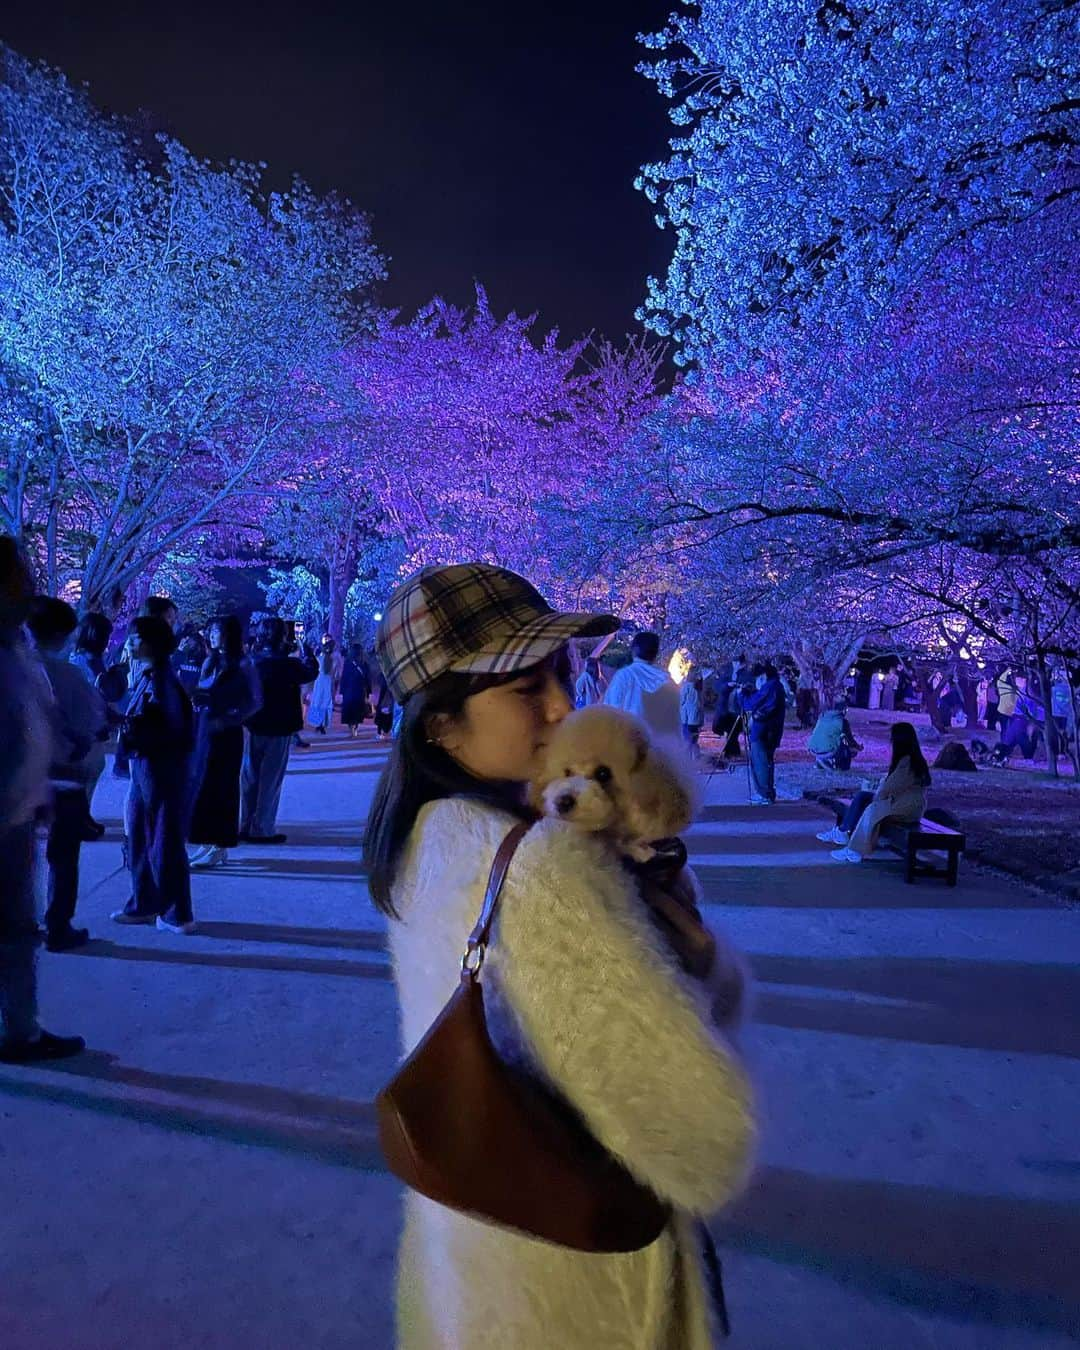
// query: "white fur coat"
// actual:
[[577, 985]]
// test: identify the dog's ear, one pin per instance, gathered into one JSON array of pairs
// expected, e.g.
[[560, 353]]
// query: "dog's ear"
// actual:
[[663, 795]]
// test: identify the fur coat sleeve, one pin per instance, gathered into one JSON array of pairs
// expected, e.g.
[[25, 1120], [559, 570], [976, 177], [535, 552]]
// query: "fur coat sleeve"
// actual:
[[615, 1026]]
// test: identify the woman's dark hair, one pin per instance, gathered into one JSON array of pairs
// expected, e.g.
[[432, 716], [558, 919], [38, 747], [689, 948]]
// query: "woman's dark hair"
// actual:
[[93, 635], [157, 635], [157, 606], [905, 742], [232, 637], [271, 633], [592, 666], [51, 622], [419, 771]]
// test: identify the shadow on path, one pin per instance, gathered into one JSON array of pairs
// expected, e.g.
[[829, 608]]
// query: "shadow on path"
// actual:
[[1001, 1259], [329, 1129], [359, 939], [986, 1005], [358, 970], [337, 768]]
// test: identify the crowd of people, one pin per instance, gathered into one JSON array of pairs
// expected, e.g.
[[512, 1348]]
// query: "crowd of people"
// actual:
[[203, 724]]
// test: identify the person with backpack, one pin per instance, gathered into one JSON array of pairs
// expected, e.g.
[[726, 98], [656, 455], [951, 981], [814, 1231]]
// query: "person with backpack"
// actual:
[[832, 741], [80, 727], [158, 736]]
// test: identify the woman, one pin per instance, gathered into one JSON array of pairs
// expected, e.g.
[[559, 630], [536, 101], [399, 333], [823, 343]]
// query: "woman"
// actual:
[[902, 796], [579, 988], [225, 696], [589, 689], [321, 705], [88, 656], [355, 689], [889, 688], [157, 736], [383, 710], [692, 712]]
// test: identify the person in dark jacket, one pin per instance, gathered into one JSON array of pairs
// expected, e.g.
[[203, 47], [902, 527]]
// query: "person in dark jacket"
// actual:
[[24, 762], [355, 689], [80, 729], [225, 696], [764, 705], [158, 736], [270, 731]]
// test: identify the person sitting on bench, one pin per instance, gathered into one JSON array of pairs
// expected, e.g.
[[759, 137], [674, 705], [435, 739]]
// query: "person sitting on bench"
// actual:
[[832, 742], [902, 797]]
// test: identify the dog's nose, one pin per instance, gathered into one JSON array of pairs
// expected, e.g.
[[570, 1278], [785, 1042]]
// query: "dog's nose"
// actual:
[[565, 803]]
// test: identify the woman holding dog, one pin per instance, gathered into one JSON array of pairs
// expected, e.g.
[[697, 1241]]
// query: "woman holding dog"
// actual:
[[580, 990]]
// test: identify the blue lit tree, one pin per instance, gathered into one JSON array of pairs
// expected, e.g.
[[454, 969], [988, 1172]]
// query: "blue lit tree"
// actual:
[[164, 321], [832, 150]]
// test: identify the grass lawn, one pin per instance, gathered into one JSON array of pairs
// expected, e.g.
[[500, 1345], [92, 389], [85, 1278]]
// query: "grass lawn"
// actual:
[[1019, 819]]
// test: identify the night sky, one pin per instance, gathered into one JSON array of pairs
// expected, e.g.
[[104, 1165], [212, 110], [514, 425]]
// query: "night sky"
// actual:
[[484, 144]]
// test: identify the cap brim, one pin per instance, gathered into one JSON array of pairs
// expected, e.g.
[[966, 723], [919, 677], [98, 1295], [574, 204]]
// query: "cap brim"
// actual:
[[521, 648]]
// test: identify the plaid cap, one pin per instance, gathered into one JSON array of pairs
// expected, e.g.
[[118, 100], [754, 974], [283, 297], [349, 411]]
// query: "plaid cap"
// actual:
[[472, 619]]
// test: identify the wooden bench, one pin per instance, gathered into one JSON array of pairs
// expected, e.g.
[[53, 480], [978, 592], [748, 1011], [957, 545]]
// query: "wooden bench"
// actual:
[[911, 840]]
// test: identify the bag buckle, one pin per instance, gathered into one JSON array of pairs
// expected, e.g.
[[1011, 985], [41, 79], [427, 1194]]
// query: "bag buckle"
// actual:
[[473, 959]]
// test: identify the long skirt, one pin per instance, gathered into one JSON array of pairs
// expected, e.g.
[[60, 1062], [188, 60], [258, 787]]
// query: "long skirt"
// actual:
[[215, 812], [354, 707], [322, 702]]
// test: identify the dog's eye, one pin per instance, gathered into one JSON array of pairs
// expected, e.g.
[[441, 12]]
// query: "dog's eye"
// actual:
[[568, 773], [603, 774]]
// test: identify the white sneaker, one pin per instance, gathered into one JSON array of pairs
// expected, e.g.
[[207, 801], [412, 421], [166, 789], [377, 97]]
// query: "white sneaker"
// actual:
[[209, 857], [834, 836], [198, 854], [163, 926], [847, 855]]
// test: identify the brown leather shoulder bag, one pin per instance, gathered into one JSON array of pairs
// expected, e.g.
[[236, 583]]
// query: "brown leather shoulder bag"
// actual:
[[464, 1128]]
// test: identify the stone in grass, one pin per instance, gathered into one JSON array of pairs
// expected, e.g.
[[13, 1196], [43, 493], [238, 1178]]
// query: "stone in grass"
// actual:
[[954, 755]]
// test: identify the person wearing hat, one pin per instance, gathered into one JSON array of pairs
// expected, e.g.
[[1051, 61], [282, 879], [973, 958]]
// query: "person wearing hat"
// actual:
[[580, 988]]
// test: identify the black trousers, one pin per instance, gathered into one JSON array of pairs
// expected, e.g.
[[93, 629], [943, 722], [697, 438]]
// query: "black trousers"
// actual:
[[160, 881], [62, 854]]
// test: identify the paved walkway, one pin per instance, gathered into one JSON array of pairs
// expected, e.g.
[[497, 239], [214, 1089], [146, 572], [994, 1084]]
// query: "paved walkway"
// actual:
[[207, 1177]]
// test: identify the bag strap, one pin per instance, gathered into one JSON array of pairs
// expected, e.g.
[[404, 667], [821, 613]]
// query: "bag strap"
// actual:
[[476, 947]]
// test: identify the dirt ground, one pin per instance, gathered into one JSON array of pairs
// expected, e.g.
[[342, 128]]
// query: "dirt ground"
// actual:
[[1018, 819]]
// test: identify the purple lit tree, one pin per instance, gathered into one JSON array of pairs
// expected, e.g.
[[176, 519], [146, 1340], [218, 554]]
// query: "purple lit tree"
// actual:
[[875, 243]]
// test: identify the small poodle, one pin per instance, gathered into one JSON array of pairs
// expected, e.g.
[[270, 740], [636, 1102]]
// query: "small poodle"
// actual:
[[604, 774]]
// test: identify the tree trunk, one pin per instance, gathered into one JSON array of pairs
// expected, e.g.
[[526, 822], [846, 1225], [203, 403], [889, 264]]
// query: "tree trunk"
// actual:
[[339, 589], [1045, 693]]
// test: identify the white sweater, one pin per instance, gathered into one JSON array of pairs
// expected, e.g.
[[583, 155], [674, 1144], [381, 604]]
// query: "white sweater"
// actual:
[[579, 987]]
